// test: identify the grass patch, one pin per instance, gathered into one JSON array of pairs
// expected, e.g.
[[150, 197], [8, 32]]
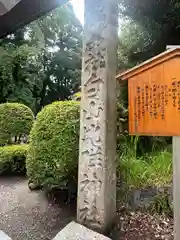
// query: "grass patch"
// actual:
[[161, 204], [154, 170], [149, 171]]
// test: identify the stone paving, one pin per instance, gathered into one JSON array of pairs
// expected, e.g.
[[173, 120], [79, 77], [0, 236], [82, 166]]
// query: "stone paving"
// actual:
[[26, 215]]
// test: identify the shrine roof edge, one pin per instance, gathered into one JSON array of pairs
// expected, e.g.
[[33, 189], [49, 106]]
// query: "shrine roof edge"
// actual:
[[164, 56]]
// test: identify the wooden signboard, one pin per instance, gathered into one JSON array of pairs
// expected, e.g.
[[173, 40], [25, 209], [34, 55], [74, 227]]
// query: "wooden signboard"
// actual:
[[154, 95]]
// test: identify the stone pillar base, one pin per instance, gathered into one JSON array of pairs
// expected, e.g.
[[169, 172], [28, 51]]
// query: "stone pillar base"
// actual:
[[75, 231], [3, 236]]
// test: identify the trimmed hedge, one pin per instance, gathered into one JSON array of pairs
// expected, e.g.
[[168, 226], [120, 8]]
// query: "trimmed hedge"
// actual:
[[13, 159], [53, 151], [15, 120], [76, 96]]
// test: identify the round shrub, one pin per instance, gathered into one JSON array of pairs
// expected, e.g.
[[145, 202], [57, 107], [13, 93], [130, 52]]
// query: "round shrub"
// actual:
[[16, 120], [53, 151], [76, 96], [13, 159]]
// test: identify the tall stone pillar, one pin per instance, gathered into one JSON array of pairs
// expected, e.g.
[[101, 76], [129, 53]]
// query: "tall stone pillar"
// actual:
[[97, 172]]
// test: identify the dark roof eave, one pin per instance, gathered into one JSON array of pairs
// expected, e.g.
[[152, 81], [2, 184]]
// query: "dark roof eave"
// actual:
[[25, 12]]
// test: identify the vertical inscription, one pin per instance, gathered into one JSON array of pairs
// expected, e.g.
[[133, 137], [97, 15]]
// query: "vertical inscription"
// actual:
[[135, 113], [151, 102], [162, 103], [154, 105], [143, 102], [98, 83], [155, 102], [166, 95], [178, 94], [138, 90], [174, 90], [158, 97], [93, 112], [147, 97]]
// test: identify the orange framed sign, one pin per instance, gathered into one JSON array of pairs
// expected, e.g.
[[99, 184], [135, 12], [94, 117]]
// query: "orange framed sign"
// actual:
[[154, 96]]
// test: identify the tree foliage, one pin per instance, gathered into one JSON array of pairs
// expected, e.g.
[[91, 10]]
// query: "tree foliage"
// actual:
[[20, 74], [158, 25], [41, 63], [133, 41]]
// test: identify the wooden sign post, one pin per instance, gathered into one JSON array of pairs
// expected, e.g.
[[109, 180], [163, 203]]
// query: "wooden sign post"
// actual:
[[176, 186], [154, 108]]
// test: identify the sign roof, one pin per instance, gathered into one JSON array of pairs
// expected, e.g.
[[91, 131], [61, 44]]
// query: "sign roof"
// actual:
[[165, 56]]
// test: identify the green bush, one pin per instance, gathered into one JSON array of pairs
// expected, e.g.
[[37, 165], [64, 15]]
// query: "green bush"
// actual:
[[53, 151], [13, 158], [76, 96], [15, 121]]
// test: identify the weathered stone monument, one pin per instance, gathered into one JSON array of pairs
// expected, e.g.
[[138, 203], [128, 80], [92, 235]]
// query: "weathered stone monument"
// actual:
[[97, 174]]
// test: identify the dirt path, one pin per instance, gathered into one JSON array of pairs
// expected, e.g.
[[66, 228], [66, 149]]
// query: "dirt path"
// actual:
[[30, 215]]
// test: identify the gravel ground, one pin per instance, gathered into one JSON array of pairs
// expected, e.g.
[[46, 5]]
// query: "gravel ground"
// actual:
[[142, 226], [26, 215]]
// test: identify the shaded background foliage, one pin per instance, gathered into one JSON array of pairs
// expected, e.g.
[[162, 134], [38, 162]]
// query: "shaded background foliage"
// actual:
[[149, 27], [41, 63]]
